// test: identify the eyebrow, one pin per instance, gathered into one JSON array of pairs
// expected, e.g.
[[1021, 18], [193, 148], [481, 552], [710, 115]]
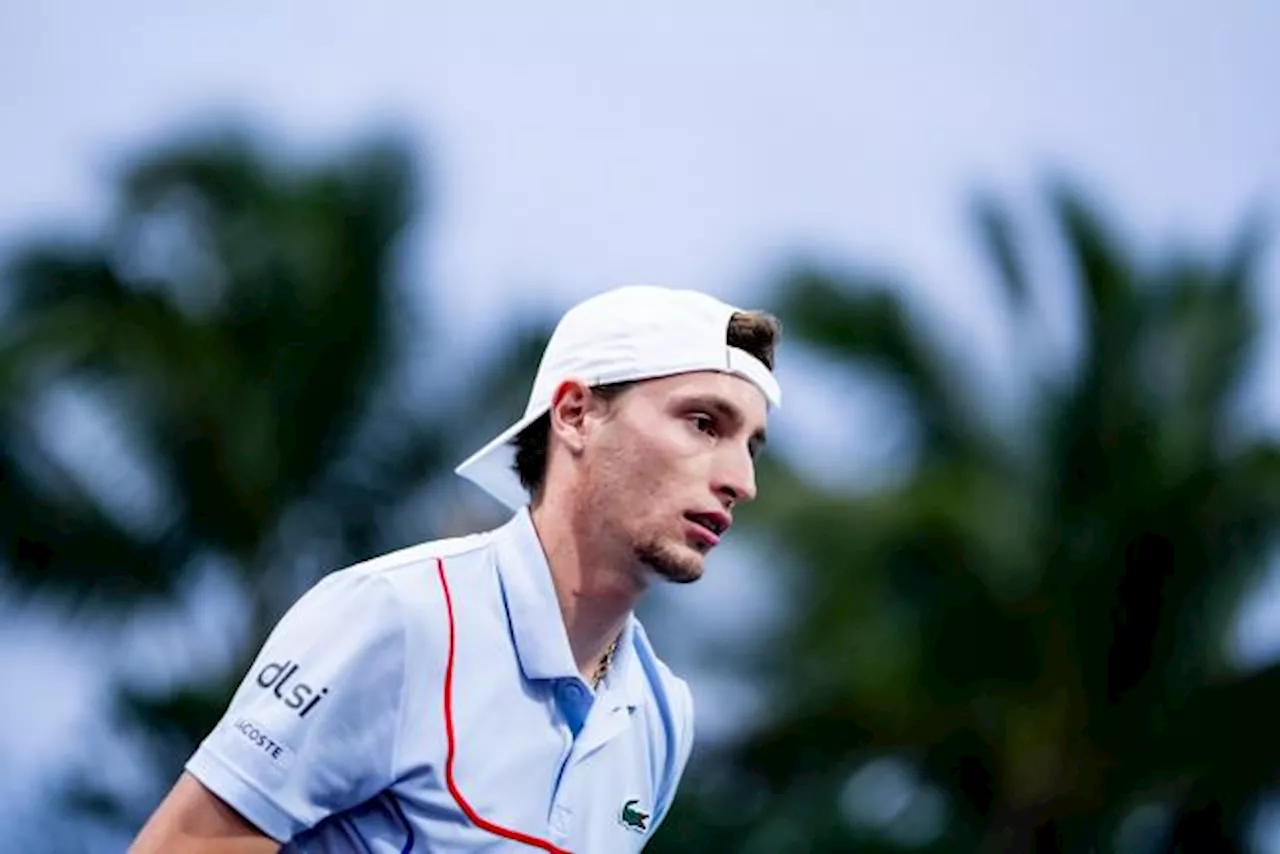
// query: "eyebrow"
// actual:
[[730, 413]]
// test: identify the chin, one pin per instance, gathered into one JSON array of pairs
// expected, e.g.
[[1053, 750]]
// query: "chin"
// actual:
[[676, 563]]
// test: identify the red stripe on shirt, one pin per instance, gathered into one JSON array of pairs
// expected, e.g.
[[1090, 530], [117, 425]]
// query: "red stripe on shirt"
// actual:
[[497, 830]]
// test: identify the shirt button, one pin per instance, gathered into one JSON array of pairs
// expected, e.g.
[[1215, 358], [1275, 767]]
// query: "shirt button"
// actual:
[[573, 690]]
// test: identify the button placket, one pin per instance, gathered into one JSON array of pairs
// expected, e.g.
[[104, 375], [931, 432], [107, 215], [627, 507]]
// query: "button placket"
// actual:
[[560, 817]]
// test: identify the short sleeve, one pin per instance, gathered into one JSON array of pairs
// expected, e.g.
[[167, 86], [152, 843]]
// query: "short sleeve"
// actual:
[[312, 729]]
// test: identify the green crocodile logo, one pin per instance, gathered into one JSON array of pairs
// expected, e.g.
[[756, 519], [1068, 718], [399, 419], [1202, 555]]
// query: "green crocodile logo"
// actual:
[[632, 818]]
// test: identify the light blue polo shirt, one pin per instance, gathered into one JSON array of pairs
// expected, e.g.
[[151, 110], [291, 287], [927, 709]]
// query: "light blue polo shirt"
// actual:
[[427, 700]]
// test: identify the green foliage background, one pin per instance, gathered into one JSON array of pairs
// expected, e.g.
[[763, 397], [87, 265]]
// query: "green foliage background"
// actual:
[[1016, 643]]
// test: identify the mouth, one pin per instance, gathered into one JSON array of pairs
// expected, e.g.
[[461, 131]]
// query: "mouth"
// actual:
[[709, 527]]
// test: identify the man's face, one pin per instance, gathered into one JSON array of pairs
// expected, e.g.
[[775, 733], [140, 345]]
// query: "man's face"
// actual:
[[667, 463]]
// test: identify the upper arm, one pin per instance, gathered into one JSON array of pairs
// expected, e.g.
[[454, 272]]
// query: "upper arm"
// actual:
[[193, 819], [313, 728]]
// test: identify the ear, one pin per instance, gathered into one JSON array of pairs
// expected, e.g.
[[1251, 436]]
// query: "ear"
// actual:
[[570, 405]]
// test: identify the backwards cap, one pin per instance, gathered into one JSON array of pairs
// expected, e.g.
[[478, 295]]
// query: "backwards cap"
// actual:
[[622, 335]]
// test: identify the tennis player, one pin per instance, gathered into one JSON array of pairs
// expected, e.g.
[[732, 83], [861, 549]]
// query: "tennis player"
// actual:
[[495, 692]]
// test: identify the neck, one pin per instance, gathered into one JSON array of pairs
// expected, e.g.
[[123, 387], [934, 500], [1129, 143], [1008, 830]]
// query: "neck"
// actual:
[[596, 591]]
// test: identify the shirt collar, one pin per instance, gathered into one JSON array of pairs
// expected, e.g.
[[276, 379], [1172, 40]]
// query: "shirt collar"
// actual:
[[537, 626]]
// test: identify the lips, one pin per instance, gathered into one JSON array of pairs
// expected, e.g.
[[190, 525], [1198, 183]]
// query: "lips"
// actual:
[[715, 524]]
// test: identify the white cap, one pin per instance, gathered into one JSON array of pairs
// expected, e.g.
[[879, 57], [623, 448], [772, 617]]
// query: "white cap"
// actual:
[[622, 335]]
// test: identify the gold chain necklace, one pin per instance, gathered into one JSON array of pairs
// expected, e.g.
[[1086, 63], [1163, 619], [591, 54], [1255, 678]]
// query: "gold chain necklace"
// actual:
[[603, 667]]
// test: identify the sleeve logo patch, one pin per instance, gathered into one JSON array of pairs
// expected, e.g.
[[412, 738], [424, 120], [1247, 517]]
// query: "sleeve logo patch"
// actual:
[[278, 675], [262, 742]]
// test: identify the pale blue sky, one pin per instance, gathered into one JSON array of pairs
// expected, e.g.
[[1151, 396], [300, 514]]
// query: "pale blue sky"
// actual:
[[575, 146]]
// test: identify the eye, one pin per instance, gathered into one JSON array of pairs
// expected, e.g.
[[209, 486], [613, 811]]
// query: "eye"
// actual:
[[703, 423]]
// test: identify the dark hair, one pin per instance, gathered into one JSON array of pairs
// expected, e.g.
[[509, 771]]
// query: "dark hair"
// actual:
[[531, 444], [756, 332]]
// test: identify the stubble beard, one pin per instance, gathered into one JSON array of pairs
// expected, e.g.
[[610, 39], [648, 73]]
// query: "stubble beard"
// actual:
[[669, 562]]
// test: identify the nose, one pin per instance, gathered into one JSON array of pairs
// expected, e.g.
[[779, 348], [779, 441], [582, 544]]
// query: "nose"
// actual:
[[736, 483]]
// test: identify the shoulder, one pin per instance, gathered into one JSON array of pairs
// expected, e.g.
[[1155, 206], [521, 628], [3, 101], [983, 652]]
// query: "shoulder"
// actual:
[[372, 608], [407, 575], [669, 692], [672, 685], [396, 565], [674, 721]]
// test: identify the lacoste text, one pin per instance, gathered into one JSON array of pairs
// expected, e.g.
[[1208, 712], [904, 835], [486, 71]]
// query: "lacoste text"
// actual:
[[259, 738]]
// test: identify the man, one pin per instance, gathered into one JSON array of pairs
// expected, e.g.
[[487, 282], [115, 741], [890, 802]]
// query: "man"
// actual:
[[495, 692]]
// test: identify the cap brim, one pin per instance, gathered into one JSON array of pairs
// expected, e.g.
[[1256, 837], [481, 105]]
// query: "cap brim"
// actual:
[[492, 467]]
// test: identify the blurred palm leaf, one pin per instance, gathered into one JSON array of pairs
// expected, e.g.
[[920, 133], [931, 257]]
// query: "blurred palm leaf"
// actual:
[[241, 326], [1039, 638]]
